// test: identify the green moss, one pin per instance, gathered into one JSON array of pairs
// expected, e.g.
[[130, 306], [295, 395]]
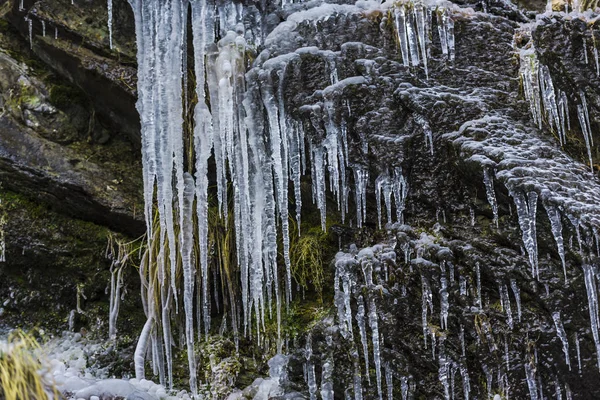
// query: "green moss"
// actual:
[[62, 96]]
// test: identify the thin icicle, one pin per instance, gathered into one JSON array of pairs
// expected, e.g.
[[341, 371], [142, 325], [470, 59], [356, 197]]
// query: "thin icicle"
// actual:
[[488, 180], [562, 335], [526, 210], [110, 22], [556, 227], [592, 294]]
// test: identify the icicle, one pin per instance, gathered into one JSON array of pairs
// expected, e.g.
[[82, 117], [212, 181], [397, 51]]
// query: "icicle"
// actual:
[[462, 341], [517, 293], [557, 391], [464, 373], [444, 304], [55, 33], [311, 378], [404, 387], [389, 380], [592, 294], [506, 300], [584, 122], [577, 348], [116, 283], [400, 190], [412, 39], [560, 331], [361, 179], [549, 100], [478, 279], [43, 28], [360, 319], [327, 374], [556, 227], [506, 355], [443, 371], [426, 293], [530, 376], [488, 180], [30, 27], [110, 19], [420, 20], [373, 324], [400, 20], [526, 211], [21, 5]]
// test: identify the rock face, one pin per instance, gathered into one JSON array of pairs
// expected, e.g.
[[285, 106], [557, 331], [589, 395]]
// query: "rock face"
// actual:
[[67, 180], [488, 286]]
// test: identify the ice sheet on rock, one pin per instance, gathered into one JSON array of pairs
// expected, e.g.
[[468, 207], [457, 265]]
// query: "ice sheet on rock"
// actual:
[[531, 167]]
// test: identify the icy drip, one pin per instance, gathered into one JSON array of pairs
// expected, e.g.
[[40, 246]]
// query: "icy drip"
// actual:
[[478, 279], [506, 302], [562, 335], [444, 304], [563, 111], [400, 189], [361, 179], [578, 349], [427, 302], [413, 32], [526, 205], [529, 67], [517, 293], [462, 341], [488, 180], [389, 381], [110, 19], [360, 319], [584, 122], [2, 237], [464, 373], [310, 370], [279, 134], [549, 102], [116, 284], [30, 28], [443, 370], [55, 33], [159, 76], [531, 384], [343, 287], [386, 186], [374, 325], [327, 379], [556, 227], [43, 28], [592, 294]]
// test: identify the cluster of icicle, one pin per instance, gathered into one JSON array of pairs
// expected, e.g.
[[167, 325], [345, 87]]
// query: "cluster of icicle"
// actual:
[[565, 190], [360, 279], [241, 120], [548, 103], [413, 22], [348, 289]]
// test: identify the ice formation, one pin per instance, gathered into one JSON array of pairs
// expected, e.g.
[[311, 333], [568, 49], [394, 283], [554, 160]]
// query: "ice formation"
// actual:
[[261, 153], [109, 7]]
